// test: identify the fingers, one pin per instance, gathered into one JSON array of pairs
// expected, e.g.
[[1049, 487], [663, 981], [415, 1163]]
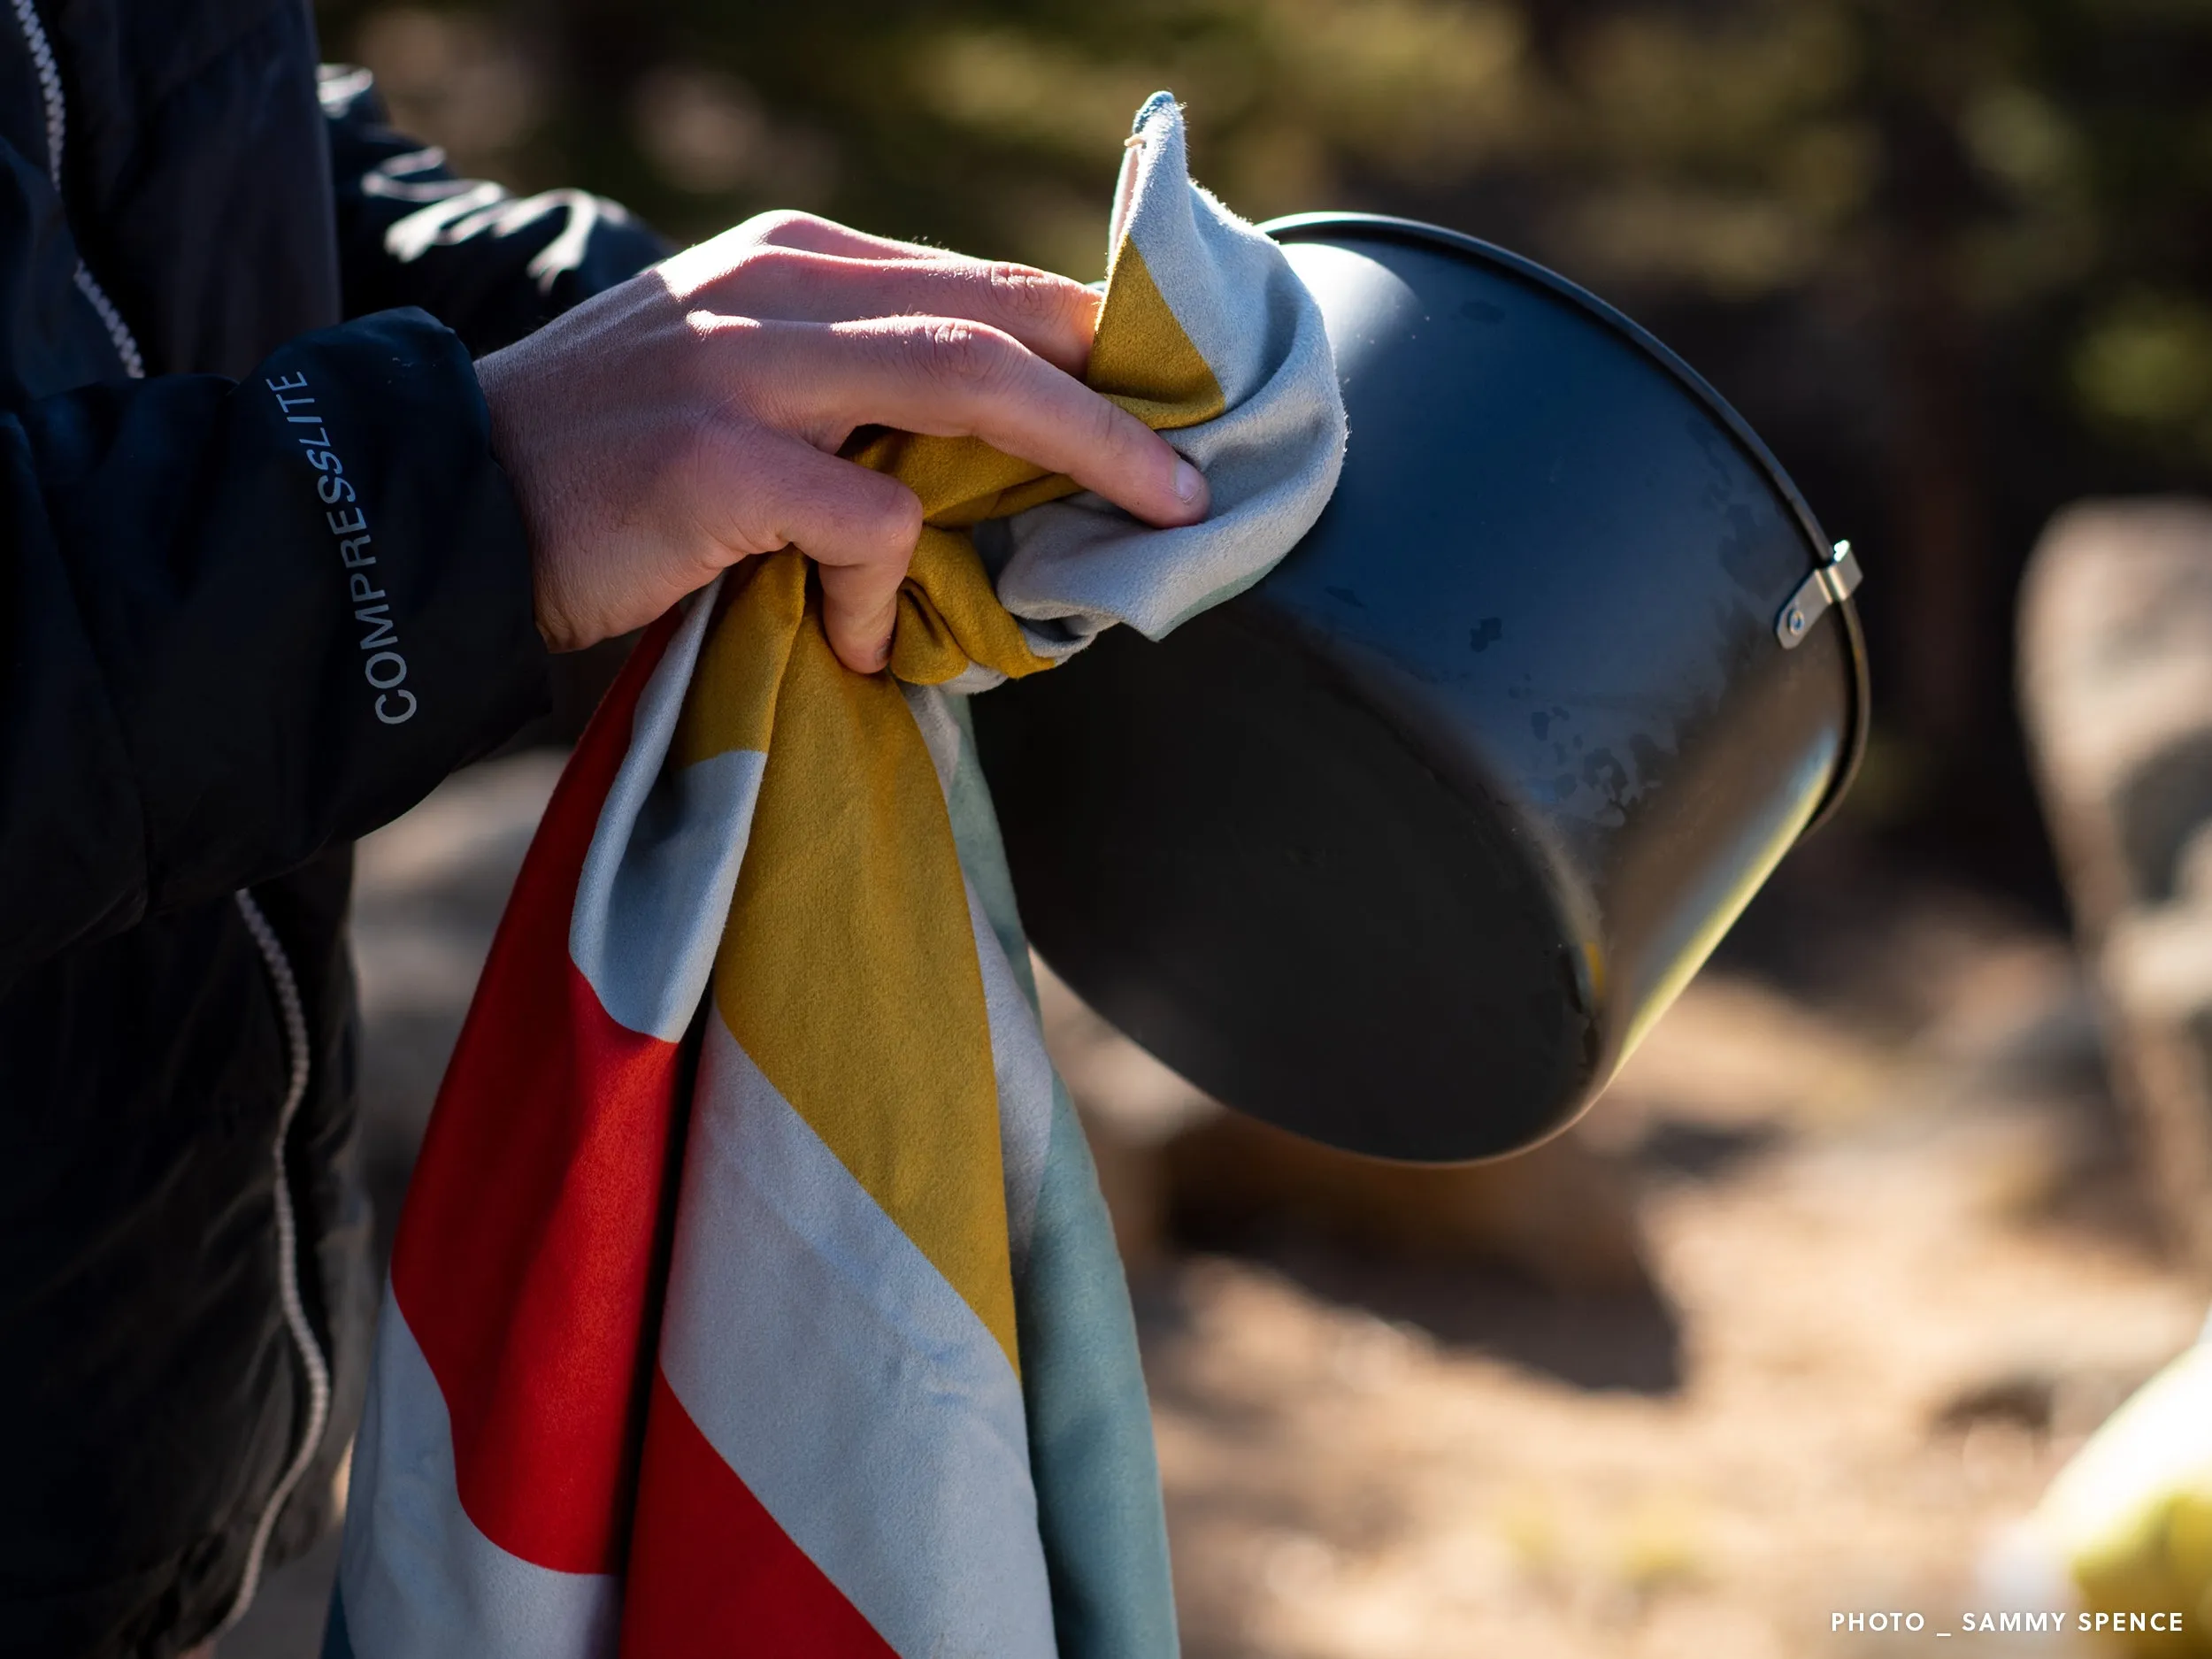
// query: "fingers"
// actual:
[[1052, 316], [720, 260], [802, 233], [860, 601], [814, 329], [789, 229], [858, 526], [956, 377]]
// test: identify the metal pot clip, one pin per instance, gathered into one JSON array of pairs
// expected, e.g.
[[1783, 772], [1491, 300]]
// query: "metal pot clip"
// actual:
[[1831, 584]]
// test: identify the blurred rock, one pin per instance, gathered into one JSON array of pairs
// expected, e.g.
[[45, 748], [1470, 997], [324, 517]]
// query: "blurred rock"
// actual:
[[2115, 693], [1562, 1215]]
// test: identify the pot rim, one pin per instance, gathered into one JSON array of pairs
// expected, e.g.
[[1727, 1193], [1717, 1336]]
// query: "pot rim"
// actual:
[[1387, 227]]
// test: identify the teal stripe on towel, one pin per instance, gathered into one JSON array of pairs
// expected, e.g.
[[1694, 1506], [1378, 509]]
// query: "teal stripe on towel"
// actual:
[[1091, 1454]]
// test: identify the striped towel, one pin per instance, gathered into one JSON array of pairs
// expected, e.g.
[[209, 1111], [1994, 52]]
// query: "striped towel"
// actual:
[[754, 1293]]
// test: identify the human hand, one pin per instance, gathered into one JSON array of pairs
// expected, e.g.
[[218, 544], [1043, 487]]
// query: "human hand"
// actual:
[[673, 425]]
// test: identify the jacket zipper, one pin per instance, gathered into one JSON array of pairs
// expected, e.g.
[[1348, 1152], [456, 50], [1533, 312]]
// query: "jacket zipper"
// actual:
[[265, 937], [120, 334], [311, 1361]]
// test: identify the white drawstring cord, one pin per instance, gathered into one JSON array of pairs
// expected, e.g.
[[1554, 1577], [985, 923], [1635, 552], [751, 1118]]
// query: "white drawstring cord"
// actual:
[[311, 1361], [57, 130]]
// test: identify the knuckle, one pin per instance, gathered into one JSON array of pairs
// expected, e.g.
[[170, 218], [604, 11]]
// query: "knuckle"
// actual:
[[1112, 429], [767, 274], [770, 259], [1023, 292], [721, 360], [784, 225], [898, 520], [964, 353]]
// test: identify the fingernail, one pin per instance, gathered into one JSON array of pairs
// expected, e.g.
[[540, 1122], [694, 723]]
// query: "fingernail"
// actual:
[[1188, 482]]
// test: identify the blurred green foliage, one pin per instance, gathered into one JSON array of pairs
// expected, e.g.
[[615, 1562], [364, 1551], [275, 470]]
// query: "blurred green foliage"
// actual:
[[1735, 150], [1952, 257]]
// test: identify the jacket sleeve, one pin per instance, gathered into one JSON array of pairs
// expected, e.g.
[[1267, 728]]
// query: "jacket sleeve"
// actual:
[[490, 266], [240, 620]]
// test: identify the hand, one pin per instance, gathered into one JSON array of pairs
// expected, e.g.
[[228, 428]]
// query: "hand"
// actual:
[[668, 427]]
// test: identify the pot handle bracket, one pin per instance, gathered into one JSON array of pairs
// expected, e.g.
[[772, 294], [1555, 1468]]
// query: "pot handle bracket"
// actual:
[[1831, 584]]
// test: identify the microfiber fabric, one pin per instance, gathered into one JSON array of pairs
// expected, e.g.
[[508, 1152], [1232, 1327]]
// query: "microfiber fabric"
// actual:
[[754, 1292]]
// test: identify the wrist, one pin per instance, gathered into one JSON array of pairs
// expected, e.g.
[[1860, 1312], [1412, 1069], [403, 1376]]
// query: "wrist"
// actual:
[[497, 378]]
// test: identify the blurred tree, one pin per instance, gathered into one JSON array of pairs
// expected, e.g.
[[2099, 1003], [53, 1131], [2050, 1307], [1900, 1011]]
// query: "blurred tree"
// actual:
[[1953, 261]]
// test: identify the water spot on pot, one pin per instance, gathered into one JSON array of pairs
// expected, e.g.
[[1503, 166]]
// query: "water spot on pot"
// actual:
[[1345, 596], [1749, 552], [1486, 634], [1481, 311], [1605, 773]]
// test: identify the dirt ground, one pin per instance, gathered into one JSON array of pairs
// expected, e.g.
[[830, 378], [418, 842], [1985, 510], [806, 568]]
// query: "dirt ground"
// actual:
[[1892, 1266]]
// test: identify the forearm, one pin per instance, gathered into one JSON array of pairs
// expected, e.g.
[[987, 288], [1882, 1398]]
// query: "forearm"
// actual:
[[243, 620]]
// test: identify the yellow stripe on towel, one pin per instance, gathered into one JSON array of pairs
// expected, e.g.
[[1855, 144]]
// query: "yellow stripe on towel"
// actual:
[[847, 971], [1143, 358], [848, 968]]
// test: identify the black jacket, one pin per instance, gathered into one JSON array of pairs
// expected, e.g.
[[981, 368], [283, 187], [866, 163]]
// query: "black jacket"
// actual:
[[252, 606]]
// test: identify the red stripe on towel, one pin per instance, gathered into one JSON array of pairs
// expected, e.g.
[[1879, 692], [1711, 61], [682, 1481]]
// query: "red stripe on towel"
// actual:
[[712, 1574], [525, 1248]]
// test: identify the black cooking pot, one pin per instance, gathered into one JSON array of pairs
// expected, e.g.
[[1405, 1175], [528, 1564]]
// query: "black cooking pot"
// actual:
[[1406, 847]]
